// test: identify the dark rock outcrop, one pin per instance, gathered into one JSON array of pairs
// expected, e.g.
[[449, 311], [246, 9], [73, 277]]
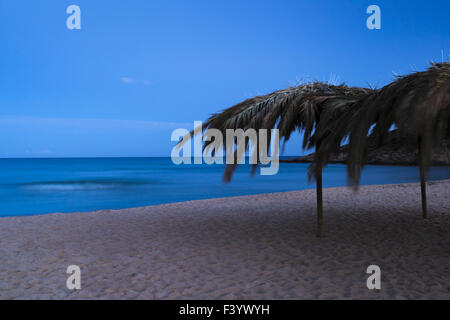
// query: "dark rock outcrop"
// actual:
[[396, 150]]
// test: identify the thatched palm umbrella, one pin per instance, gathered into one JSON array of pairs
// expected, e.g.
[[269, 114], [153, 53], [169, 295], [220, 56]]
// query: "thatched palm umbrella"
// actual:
[[293, 109], [418, 105]]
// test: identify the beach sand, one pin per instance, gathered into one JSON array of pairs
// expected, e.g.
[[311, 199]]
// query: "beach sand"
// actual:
[[251, 247]]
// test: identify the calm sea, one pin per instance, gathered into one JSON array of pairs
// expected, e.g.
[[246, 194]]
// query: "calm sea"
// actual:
[[37, 186]]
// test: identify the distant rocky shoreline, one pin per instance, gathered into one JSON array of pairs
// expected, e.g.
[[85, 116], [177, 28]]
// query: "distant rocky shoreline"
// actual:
[[397, 151]]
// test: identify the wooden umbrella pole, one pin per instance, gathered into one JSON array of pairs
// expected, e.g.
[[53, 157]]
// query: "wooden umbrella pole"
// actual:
[[319, 194], [319, 202], [423, 185]]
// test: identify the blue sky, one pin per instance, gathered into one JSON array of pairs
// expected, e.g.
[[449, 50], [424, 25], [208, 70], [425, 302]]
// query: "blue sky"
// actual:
[[139, 69]]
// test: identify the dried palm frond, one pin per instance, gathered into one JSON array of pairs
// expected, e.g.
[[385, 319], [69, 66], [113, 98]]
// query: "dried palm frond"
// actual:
[[289, 110]]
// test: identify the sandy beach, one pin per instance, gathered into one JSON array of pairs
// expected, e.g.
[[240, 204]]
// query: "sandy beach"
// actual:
[[251, 247]]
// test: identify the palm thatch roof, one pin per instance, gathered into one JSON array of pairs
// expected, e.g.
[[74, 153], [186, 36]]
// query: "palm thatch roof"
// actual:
[[294, 109], [418, 105]]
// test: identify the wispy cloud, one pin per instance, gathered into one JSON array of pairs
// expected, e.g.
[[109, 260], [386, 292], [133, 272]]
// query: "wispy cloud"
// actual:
[[43, 152], [129, 80]]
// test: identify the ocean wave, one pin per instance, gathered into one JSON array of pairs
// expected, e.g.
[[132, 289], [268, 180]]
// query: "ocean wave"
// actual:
[[82, 185]]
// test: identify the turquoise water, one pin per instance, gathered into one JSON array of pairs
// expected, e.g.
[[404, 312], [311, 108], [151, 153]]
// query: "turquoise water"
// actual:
[[37, 186]]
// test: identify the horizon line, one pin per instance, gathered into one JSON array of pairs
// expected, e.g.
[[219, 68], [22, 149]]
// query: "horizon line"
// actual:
[[110, 157]]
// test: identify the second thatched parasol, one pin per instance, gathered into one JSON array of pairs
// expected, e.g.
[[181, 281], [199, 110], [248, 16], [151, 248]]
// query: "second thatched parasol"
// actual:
[[418, 105]]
